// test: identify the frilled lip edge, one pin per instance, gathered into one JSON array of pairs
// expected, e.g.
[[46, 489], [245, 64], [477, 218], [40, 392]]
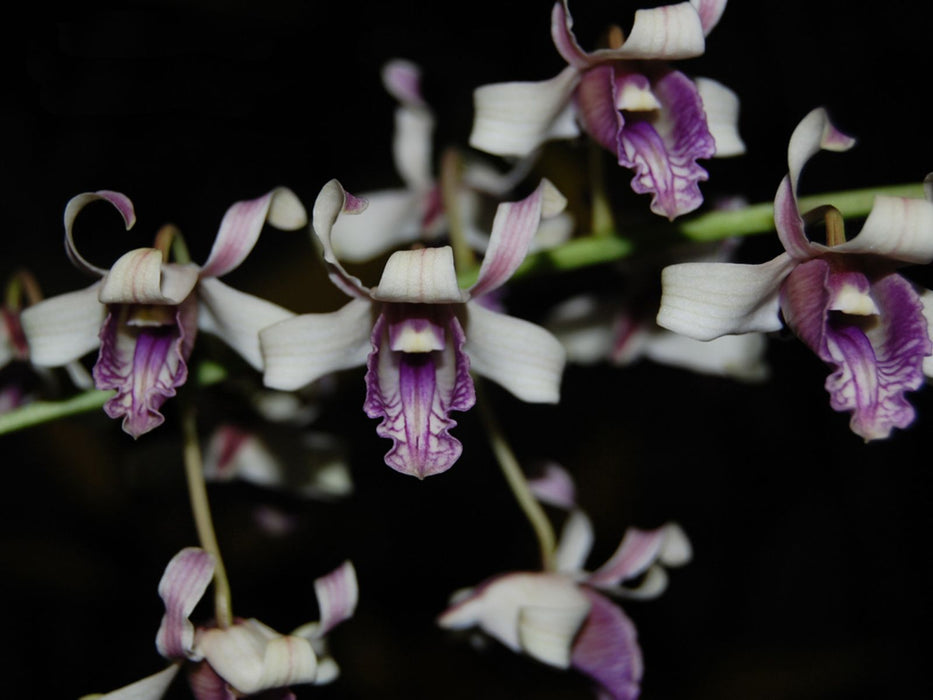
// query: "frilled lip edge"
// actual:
[[877, 356], [414, 392], [145, 364]]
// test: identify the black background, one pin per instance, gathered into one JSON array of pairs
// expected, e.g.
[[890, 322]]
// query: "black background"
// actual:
[[810, 576]]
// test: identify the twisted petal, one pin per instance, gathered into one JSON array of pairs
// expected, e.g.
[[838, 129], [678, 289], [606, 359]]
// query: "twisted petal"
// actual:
[[518, 355], [607, 649], [897, 228], [544, 611], [122, 204], [183, 584], [144, 363], [140, 277], [337, 595], [513, 229], [236, 317], [63, 328], [513, 119], [721, 106], [813, 133], [668, 33], [662, 147], [414, 124], [637, 551], [242, 224], [707, 300], [331, 202], [876, 357], [413, 393], [710, 11], [252, 657], [300, 350]]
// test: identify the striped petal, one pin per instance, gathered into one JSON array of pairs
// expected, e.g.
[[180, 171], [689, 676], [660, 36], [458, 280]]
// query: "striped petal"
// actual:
[[140, 277], [182, 586], [242, 224], [63, 328], [120, 202]]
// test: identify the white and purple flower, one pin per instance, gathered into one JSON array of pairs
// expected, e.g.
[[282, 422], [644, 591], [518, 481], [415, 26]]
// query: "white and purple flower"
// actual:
[[145, 312], [420, 334], [654, 119], [563, 617], [844, 300], [247, 658]]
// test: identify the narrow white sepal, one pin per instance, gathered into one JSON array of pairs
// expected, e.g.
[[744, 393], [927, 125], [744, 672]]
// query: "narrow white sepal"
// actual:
[[63, 328], [722, 116]]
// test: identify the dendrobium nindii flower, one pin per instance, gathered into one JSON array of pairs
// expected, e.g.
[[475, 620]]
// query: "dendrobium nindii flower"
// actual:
[[562, 617], [654, 119], [844, 300], [247, 658], [427, 335], [145, 312]]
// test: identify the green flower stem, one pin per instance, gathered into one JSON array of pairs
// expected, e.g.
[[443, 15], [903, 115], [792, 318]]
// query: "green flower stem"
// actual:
[[512, 471], [601, 220], [204, 524], [170, 240], [451, 175], [759, 218], [22, 284], [38, 412]]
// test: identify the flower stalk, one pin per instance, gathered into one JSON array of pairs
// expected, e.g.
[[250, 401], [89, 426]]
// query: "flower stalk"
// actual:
[[200, 507], [512, 471]]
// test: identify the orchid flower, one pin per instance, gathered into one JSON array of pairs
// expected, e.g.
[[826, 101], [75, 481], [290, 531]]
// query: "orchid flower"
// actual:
[[653, 119], [844, 300], [427, 335], [144, 313], [416, 211], [247, 658], [563, 618]]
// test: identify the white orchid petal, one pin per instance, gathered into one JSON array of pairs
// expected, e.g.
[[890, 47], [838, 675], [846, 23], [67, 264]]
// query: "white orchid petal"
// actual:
[[813, 133], [149, 688], [676, 549], [898, 228], [740, 357], [236, 317], [513, 119], [554, 487], [547, 634], [302, 349], [337, 596], [402, 80], [331, 202], [141, 277], [707, 300], [120, 201], [243, 222], [63, 328], [424, 276], [722, 116], [669, 32], [252, 657], [520, 356], [412, 146], [710, 11], [576, 541], [182, 586], [357, 239]]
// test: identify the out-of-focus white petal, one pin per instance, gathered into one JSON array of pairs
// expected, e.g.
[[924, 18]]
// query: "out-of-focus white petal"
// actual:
[[237, 317], [738, 356], [301, 349], [331, 202], [576, 541], [412, 146], [149, 688], [337, 595], [424, 276], [520, 356], [554, 487], [676, 549], [710, 11], [122, 204], [898, 228], [547, 634], [393, 217], [140, 277], [513, 119], [63, 328], [722, 116], [243, 222], [252, 657], [497, 605], [707, 300]]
